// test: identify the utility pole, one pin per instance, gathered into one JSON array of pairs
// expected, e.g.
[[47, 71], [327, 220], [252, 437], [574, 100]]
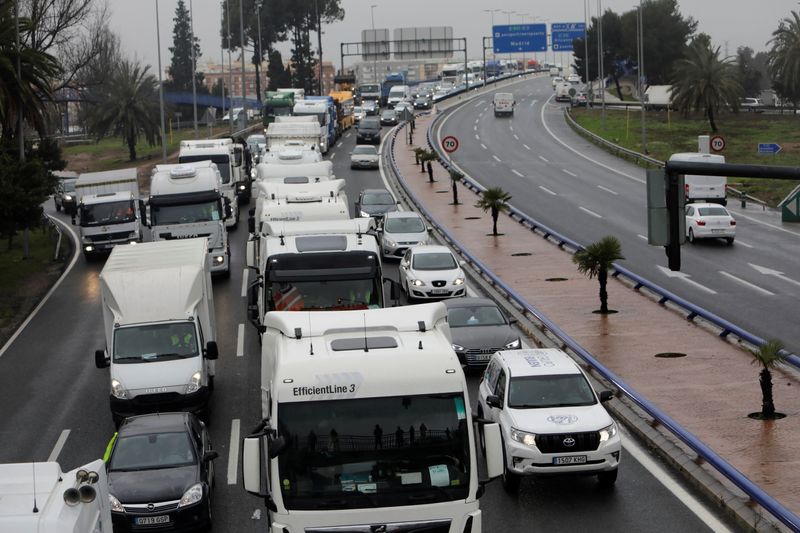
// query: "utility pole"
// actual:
[[319, 44], [161, 92], [600, 63], [260, 53], [374, 44], [194, 69], [243, 116], [230, 67], [21, 126], [640, 49], [586, 41]]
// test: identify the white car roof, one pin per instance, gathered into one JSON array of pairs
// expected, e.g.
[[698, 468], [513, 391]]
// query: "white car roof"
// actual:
[[537, 362], [430, 249], [401, 214]]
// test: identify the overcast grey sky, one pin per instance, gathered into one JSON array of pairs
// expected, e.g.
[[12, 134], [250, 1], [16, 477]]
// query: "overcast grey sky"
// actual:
[[729, 22]]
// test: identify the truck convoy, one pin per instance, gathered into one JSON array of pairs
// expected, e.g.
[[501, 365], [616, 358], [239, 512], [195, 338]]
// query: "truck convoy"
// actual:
[[108, 210], [229, 158], [160, 328], [367, 424], [186, 201], [40, 498]]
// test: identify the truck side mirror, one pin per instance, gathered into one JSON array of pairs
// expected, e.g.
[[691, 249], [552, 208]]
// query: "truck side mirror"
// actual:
[[494, 401], [212, 352], [101, 360]]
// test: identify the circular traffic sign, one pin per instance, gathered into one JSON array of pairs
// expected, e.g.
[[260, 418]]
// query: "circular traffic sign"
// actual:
[[450, 144], [717, 143]]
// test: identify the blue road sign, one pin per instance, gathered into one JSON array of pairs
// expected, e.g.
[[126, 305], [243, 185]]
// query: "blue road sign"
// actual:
[[563, 33], [769, 148], [519, 38]]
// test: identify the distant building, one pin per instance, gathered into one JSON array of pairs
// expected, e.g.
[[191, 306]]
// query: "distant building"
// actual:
[[215, 71]]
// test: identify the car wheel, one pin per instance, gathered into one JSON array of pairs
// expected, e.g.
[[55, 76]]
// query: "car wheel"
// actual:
[[729, 240], [210, 383], [209, 514], [691, 236], [607, 479], [510, 479]]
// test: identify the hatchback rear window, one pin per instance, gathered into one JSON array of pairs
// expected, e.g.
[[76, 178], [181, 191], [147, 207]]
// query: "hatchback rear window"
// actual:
[[712, 212]]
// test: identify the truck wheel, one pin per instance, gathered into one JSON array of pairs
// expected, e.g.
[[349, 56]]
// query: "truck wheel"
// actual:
[[607, 479]]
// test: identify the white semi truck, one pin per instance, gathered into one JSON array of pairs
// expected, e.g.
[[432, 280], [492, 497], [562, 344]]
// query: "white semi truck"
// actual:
[[229, 157], [108, 211], [187, 201], [160, 328], [294, 132], [367, 425], [319, 110], [40, 498]]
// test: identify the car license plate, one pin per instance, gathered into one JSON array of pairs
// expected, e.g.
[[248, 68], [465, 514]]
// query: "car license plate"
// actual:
[[482, 356], [717, 231], [570, 460], [151, 520], [439, 291]]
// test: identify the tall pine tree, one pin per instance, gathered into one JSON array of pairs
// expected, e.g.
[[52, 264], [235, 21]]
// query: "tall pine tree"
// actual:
[[180, 68]]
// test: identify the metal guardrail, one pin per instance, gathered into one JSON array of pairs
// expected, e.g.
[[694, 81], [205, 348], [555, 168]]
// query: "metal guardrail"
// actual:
[[753, 491]]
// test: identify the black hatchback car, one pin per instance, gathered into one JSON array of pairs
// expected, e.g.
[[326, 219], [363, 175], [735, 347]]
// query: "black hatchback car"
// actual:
[[369, 131], [161, 473]]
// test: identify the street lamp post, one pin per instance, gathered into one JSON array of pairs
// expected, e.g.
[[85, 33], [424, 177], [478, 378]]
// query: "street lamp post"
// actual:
[[230, 67], [258, 67], [374, 44], [161, 92], [640, 70], [243, 116], [524, 62], [586, 77], [194, 68], [600, 63], [21, 121]]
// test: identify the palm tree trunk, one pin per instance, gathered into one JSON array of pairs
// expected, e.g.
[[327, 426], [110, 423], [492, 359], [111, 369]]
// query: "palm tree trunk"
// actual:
[[711, 120], [455, 194], [495, 214], [131, 148], [767, 403], [602, 277]]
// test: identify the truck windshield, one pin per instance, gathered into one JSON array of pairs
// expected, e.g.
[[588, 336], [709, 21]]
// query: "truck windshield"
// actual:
[[108, 213], [374, 452], [327, 295], [370, 89], [155, 342], [223, 162], [163, 215], [322, 118]]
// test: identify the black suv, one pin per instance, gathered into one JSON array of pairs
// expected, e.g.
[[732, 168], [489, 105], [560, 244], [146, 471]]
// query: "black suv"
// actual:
[[369, 131]]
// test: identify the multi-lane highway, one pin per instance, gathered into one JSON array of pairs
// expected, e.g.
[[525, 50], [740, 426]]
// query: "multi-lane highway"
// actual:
[[55, 402], [569, 184]]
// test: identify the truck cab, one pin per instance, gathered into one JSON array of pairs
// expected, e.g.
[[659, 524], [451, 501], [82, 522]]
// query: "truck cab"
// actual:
[[229, 158]]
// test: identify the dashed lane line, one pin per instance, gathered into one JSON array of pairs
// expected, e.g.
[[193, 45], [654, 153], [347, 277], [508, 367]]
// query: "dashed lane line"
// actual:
[[526, 146], [483, 146], [516, 137], [245, 274], [544, 159], [497, 158], [643, 237], [240, 341], [477, 137], [746, 245], [565, 171], [747, 283], [548, 191], [339, 145], [589, 211], [521, 175], [59, 446], [333, 154], [615, 193]]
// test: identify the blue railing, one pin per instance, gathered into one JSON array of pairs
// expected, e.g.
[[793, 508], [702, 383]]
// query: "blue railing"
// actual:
[[753, 491]]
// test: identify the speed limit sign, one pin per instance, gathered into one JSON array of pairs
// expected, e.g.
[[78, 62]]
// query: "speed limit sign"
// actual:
[[450, 144], [717, 143]]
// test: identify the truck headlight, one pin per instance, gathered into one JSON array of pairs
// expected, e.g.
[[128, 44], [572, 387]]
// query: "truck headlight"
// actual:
[[219, 259], [607, 432], [193, 495], [117, 390], [513, 345], [417, 283], [194, 383], [241, 187], [457, 347], [528, 439], [116, 506], [458, 281], [67, 197], [363, 214]]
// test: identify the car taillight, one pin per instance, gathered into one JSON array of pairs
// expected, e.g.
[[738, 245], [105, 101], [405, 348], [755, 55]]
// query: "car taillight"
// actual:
[[686, 187], [733, 222], [701, 222]]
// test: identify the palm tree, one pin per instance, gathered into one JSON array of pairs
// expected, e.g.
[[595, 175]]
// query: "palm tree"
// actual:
[[494, 199], [596, 260], [455, 177], [769, 355], [705, 82], [127, 106], [31, 93], [784, 56]]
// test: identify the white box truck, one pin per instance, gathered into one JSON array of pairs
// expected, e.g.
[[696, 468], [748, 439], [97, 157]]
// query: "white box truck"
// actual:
[[318, 109], [367, 424], [291, 132], [703, 188], [108, 211], [312, 170], [186, 201], [40, 498], [298, 200], [160, 328], [229, 157]]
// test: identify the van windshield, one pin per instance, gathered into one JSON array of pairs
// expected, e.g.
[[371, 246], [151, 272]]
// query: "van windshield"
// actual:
[[155, 342], [374, 452]]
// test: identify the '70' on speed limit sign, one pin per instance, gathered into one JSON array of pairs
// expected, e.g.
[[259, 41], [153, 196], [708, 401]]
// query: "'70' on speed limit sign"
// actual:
[[450, 144]]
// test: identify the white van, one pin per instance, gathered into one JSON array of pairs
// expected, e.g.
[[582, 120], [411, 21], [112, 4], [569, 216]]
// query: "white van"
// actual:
[[503, 104], [397, 94], [703, 188]]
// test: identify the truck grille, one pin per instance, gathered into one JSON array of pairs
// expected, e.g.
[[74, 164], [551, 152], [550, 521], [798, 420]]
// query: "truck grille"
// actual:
[[558, 442], [426, 526], [107, 237]]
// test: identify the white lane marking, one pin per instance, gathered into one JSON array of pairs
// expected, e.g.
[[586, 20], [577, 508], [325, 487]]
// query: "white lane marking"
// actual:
[[333, 154], [643, 237], [526, 147], [565, 171], [685, 277], [516, 137], [511, 127], [608, 190], [47, 296], [544, 159], [339, 145], [548, 191], [245, 274], [240, 341], [589, 212], [476, 121], [233, 452], [518, 173], [483, 146], [497, 158], [477, 137], [773, 226], [740, 243], [474, 128], [571, 149], [533, 102], [747, 283], [59, 446], [777, 273], [347, 135], [479, 103], [666, 479]]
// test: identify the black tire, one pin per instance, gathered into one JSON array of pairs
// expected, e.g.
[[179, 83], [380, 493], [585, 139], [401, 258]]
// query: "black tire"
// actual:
[[607, 479], [210, 383], [691, 238], [729, 240]]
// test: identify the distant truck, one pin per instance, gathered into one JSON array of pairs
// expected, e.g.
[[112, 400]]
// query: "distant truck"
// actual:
[[186, 201], [276, 104], [108, 211], [703, 188], [369, 91], [40, 498], [160, 328], [333, 117], [658, 97], [344, 102], [367, 424], [503, 104]]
